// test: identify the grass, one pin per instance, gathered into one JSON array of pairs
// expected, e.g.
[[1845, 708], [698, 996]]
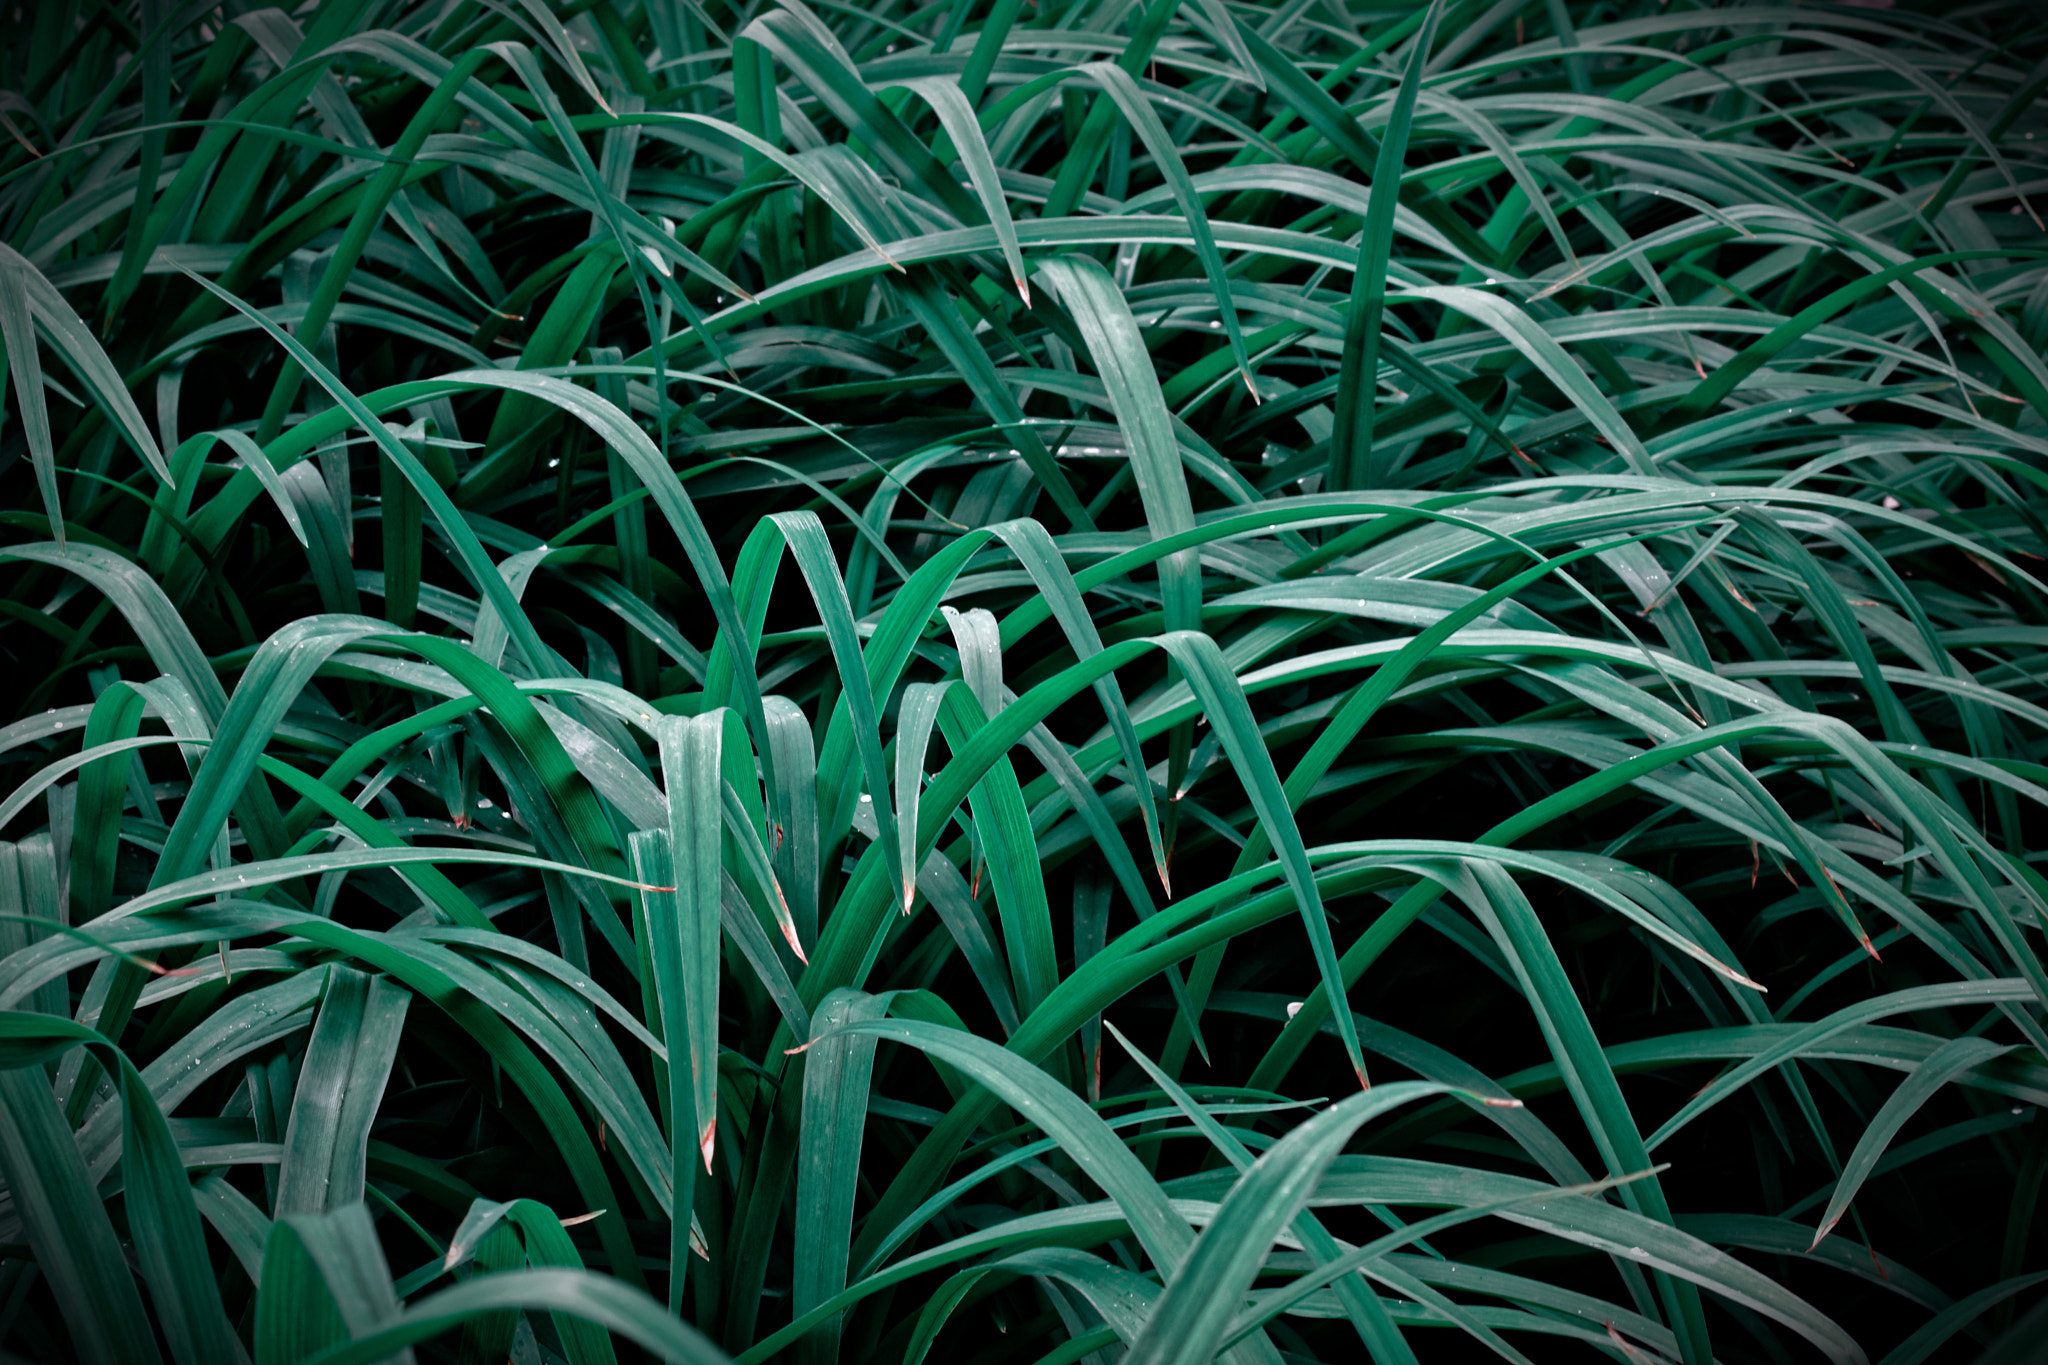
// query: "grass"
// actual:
[[739, 681]]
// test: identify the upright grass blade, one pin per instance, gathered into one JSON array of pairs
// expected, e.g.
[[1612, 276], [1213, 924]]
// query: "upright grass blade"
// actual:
[[1120, 357], [1351, 437], [63, 1220], [341, 1082], [837, 1071], [330, 1268], [1123, 91], [691, 764], [18, 336], [661, 937]]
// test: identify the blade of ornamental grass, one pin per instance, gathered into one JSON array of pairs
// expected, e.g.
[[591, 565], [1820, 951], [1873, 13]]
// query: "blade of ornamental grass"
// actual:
[[956, 117], [1382, 1339], [838, 1067], [1138, 112], [796, 843], [812, 551], [662, 940], [102, 792], [482, 572], [1084, 1137], [1358, 365], [1003, 824], [1122, 1297], [1957, 1317], [1593, 1223], [1114, 344], [597, 1299], [546, 1242], [691, 762], [325, 1281], [68, 1227], [1059, 596], [341, 1083], [18, 337], [1808, 1036], [850, 935], [916, 715], [1506, 913], [1208, 1289], [1121, 358], [341, 262]]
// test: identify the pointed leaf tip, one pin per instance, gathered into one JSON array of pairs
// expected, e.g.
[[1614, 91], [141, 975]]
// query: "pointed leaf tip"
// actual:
[[710, 1137]]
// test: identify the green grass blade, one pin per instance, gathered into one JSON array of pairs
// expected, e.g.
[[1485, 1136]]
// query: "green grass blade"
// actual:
[[18, 336], [1166, 1237], [65, 1225], [691, 765], [341, 1082], [1950, 1060], [597, 1299], [837, 1071], [1204, 1292], [325, 1280], [1358, 375]]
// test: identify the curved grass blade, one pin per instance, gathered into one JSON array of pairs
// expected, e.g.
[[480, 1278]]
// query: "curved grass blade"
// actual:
[[1205, 1291], [1950, 1060]]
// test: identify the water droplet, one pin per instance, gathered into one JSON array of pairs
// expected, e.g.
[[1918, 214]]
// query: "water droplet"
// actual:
[[483, 803], [1491, 280]]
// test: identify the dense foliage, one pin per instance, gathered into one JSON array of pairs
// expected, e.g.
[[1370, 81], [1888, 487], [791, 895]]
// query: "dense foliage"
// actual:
[[738, 678]]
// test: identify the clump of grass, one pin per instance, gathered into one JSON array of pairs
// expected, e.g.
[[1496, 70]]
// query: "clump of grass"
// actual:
[[572, 570]]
